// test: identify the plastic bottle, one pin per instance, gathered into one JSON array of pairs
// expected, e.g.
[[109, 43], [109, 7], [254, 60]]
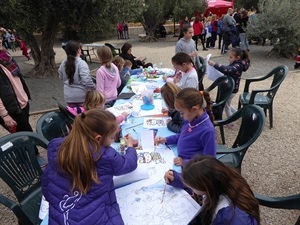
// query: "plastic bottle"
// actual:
[[160, 65]]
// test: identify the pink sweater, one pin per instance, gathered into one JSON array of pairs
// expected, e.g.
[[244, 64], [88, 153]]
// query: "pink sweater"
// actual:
[[108, 80], [19, 91]]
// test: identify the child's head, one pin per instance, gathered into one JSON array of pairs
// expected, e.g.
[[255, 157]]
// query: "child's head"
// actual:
[[189, 102], [206, 175], [168, 93], [182, 61], [187, 31], [119, 62], [82, 147], [72, 48], [237, 54], [105, 55], [126, 48], [94, 99], [128, 64]]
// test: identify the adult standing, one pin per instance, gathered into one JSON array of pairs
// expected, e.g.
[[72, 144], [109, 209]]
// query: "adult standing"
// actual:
[[187, 45], [214, 29], [242, 30], [75, 73], [14, 105], [228, 30], [8, 61]]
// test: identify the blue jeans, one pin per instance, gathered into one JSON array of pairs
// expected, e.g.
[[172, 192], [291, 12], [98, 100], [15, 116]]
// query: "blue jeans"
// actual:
[[244, 42]]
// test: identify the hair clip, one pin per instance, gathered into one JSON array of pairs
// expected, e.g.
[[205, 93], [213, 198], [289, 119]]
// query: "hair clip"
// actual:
[[82, 115]]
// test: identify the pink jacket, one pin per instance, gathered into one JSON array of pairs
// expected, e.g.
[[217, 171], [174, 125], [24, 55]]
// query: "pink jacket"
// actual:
[[108, 80]]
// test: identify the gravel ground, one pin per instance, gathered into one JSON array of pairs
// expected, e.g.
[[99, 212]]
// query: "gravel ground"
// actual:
[[271, 165]]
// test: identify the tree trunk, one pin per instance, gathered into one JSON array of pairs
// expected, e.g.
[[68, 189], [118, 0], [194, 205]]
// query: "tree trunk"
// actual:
[[150, 31]]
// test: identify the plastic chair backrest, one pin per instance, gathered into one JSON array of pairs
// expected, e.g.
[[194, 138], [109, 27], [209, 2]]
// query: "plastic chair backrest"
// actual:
[[201, 72], [279, 74], [20, 170], [52, 125], [225, 85], [253, 120], [115, 51]]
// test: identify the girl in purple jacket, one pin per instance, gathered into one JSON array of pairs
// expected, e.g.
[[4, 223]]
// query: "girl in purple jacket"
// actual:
[[197, 134], [223, 193], [78, 181]]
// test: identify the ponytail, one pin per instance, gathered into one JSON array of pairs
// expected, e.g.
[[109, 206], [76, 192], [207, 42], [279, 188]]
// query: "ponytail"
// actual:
[[70, 68], [208, 107]]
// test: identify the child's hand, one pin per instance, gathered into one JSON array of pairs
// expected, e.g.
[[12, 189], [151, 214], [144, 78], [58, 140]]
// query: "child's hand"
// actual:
[[169, 176], [164, 110], [178, 161], [160, 140], [128, 140], [125, 114], [194, 54], [211, 63]]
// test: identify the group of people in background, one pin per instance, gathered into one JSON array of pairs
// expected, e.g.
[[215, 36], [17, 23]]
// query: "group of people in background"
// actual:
[[228, 29], [122, 30], [12, 40]]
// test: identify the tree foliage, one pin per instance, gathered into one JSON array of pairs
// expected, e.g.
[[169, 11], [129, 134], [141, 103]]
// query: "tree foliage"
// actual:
[[48, 17], [246, 4], [278, 20], [158, 11]]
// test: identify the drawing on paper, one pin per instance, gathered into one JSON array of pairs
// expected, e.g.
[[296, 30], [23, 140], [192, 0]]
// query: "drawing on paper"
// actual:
[[177, 207], [155, 122], [148, 157], [119, 109]]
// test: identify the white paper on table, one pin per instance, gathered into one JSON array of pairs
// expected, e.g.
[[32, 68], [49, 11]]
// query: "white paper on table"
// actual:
[[119, 109], [140, 173], [44, 208], [147, 139], [212, 73], [145, 197], [157, 160], [155, 122]]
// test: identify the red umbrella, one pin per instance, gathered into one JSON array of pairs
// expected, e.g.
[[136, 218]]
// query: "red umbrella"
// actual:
[[218, 7]]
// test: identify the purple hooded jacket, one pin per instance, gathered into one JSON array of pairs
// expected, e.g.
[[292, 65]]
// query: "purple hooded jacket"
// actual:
[[99, 206]]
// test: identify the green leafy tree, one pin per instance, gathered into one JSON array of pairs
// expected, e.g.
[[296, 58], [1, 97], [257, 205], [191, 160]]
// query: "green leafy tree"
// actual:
[[158, 11], [48, 17], [279, 21], [246, 4]]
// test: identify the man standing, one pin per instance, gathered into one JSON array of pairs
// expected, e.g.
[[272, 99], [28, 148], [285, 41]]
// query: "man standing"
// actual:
[[229, 30], [14, 105]]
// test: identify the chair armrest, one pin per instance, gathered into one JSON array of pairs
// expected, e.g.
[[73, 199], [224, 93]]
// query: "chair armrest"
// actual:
[[254, 92], [288, 202], [231, 150], [7, 202]]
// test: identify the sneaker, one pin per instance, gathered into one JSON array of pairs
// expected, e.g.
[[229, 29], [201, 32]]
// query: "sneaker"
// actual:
[[42, 162]]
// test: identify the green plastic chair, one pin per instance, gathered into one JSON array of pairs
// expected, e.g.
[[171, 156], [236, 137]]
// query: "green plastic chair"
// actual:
[[52, 125], [20, 170], [225, 86], [264, 98], [115, 51], [287, 202], [201, 73], [252, 123]]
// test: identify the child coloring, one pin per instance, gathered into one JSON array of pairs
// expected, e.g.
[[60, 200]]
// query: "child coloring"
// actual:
[[238, 63], [78, 181], [186, 75], [94, 100], [168, 93], [197, 134], [107, 76], [225, 196]]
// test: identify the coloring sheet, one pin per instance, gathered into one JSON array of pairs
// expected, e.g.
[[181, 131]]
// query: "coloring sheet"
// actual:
[[145, 202], [119, 109], [212, 73], [155, 122]]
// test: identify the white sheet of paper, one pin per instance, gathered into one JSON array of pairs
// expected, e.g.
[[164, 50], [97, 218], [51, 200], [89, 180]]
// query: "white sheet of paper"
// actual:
[[147, 139], [212, 73], [140, 173], [119, 109], [141, 203]]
